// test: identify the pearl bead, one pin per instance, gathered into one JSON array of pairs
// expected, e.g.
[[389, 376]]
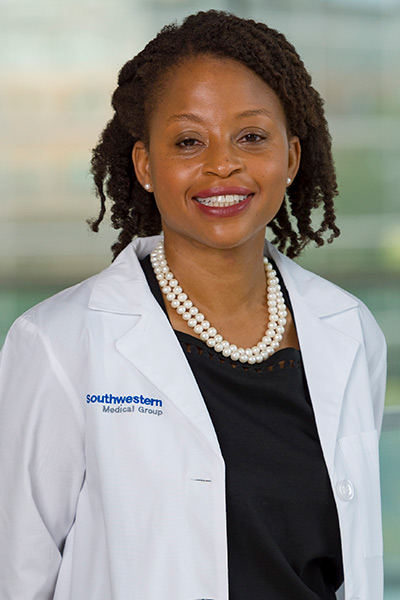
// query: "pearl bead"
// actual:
[[211, 331], [204, 336], [171, 297], [243, 358], [226, 352], [192, 322], [173, 283], [182, 297], [235, 355], [193, 310], [181, 310], [178, 289], [251, 360], [199, 317], [218, 338], [188, 304], [197, 328], [169, 276], [211, 342], [174, 303], [218, 347], [186, 316], [206, 324]]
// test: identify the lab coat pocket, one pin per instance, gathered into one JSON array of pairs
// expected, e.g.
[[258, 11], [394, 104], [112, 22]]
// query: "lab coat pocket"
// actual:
[[360, 453]]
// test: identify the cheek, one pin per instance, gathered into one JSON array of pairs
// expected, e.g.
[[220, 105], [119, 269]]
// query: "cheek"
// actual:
[[171, 178]]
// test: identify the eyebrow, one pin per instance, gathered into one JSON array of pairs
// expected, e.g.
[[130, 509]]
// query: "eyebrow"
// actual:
[[185, 117], [254, 113], [197, 119]]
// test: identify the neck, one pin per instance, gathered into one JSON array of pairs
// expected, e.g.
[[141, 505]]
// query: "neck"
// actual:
[[219, 280]]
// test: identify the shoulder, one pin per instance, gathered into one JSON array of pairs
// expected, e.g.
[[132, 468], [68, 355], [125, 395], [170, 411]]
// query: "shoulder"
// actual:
[[55, 323], [61, 307], [120, 289]]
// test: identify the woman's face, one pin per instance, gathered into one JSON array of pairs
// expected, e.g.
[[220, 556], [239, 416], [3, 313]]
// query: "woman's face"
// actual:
[[219, 154]]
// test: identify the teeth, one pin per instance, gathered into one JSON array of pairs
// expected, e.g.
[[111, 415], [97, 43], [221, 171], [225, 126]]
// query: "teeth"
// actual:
[[227, 200]]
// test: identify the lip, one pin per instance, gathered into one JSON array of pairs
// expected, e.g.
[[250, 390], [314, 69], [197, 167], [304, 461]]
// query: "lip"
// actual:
[[225, 211], [222, 191]]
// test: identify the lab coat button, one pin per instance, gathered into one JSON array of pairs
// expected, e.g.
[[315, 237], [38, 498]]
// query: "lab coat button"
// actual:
[[345, 490]]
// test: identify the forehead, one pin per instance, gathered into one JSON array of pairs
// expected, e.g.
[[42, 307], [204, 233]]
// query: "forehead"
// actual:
[[214, 84]]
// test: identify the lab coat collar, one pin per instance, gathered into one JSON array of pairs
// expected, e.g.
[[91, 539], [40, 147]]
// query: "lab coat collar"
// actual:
[[115, 286], [329, 300], [122, 287], [328, 349]]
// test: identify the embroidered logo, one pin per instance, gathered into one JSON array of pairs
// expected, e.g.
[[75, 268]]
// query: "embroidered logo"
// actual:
[[122, 404]]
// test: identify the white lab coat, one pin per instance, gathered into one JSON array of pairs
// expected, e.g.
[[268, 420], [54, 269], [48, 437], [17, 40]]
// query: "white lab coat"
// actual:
[[101, 500]]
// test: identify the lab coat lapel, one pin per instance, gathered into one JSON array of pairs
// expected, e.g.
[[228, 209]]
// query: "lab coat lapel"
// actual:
[[149, 342], [328, 350], [152, 347], [328, 355]]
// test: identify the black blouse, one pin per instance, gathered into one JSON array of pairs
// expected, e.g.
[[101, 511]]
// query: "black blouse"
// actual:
[[282, 524]]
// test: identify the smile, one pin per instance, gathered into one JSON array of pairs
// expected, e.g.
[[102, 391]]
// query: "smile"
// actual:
[[220, 201]]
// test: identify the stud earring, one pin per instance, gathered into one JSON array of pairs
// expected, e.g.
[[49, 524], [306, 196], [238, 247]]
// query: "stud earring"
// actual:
[[288, 181], [147, 186]]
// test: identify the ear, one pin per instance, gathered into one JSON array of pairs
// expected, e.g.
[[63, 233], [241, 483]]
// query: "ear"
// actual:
[[293, 157], [140, 159]]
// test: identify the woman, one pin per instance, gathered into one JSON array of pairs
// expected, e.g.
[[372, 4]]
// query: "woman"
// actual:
[[204, 414]]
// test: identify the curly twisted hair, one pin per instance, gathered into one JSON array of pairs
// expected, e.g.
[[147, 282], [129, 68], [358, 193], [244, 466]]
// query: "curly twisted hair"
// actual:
[[266, 52]]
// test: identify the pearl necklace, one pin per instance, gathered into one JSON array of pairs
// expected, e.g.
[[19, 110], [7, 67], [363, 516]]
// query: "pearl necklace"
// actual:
[[184, 306]]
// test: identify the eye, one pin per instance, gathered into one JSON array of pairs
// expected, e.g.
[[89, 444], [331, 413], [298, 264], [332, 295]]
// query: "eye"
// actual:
[[188, 142], [253, 137]]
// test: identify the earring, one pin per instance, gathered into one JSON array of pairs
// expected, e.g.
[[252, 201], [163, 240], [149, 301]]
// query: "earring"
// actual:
[[147, 187], [288, 181]]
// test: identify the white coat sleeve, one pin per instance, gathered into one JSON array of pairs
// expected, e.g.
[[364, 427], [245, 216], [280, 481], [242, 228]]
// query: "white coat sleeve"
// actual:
[[376, 350], [378, 388], [41, 463]]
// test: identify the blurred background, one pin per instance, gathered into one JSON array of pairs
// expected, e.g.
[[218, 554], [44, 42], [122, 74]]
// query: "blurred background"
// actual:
[[59, 61]]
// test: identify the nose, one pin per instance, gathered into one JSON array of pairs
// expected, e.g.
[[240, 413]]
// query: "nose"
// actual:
[[221, 159]]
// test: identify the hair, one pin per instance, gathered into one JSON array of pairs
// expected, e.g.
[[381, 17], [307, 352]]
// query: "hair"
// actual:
[[266, 52]]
